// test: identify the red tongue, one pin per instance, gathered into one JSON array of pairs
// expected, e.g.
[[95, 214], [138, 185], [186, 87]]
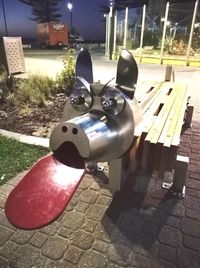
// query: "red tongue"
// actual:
[[43, 193]]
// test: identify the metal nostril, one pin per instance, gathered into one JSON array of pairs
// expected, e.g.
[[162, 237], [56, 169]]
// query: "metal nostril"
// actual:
[[75, 131], [64, 129]]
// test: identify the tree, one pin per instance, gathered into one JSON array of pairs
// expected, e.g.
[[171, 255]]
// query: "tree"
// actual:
[[43, 10]]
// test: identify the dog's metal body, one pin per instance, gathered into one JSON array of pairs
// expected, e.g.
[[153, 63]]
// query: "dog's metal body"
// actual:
[[99, 120]]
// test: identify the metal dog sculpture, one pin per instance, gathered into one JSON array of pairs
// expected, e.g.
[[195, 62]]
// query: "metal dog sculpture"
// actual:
[[97, 125]]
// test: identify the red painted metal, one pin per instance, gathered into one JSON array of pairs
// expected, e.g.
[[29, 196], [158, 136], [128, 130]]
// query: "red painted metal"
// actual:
[[43, 193]]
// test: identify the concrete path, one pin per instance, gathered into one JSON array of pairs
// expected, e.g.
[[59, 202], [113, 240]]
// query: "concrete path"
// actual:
[[141, 227]]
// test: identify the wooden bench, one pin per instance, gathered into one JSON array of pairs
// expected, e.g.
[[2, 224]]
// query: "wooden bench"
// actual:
[[165, 110]]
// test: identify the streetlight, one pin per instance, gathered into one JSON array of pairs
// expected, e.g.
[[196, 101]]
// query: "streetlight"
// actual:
[[70, 6]]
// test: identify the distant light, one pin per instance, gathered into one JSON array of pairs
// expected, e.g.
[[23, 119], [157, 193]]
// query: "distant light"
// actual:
[[104, 15], [69, 6], [168, 23], [111, 3]]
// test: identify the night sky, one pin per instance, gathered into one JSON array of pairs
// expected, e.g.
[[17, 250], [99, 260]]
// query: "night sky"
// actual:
[[86, 18]]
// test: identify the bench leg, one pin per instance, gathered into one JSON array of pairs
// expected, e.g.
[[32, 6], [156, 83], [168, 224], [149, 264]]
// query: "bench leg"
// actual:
[[181, 167], [188, 116]]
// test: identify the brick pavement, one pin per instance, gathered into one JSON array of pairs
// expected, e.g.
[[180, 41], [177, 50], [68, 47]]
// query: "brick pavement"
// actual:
[[140, 227]]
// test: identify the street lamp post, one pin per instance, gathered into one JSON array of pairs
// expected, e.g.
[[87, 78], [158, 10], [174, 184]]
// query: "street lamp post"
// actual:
[[4, 16], [70, 6]]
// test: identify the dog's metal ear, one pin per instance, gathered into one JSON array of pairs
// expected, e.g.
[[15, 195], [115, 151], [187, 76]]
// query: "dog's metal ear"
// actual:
[[127, 73], [84, 67]]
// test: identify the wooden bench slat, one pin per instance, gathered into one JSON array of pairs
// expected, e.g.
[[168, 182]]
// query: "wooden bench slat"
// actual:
[[177, 117], [158, 125], [177, 131], [173, 116]]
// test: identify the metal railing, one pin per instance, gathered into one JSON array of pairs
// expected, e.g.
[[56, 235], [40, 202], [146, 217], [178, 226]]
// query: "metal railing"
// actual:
[[165, 32]]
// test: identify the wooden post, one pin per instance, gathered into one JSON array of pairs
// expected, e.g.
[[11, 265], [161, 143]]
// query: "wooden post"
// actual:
[[189, 114], [181, 166], [168, 73]]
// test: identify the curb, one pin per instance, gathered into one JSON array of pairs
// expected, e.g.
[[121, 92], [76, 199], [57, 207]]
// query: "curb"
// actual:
[[44, 142]]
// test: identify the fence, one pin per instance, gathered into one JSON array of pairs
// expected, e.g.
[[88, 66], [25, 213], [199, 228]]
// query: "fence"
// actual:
[[161, 33]]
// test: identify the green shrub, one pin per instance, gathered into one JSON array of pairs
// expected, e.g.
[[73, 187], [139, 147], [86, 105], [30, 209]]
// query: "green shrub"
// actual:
[[4, 90], [36, 89], [65, 80]]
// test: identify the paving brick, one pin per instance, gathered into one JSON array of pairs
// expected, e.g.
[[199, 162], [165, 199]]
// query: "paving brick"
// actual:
[[174, 207], [120, 254], [95, 186], [191, 242], [5, 235], [89, 196], [193, 175], [104, 200], [85, 183], [173, 221], [194, 214], [166, 264], [194, 150], [193, 192], [82, 207], [106, 191], [26, 256], [192, 202], [77, 193], [54, 247], [73, 254], [73, 220], [190, 227], [194, 168], [170, 236], [187, 258], [96, 212], [38, 239], [65, 232], [100, 246], [4, 221], [92, 259], [193, 183], [8, 249], [167, 253], [50, 229], [194, 161], [22, 237], [60, 264], [82, 239], [89, 225], [101, 234], [3, 263], [72, 204]]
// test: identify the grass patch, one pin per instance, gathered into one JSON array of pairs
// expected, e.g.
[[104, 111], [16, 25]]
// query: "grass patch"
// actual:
[[16, 157]]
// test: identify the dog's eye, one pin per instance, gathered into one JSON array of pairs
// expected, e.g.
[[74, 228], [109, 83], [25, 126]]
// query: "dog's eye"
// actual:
[[112, 102], [81, 99]]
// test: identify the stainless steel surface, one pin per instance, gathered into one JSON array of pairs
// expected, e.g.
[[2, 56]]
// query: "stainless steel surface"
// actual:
[[99, 134]]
